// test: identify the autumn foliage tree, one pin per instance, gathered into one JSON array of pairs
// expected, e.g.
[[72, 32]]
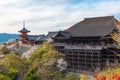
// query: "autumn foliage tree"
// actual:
[[108, 74]]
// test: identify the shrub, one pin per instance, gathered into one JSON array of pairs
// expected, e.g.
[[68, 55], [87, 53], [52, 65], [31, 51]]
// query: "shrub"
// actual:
[[71, 77], [109, 74], [32, 75], [84, 77], [3, 77], [12, 73]]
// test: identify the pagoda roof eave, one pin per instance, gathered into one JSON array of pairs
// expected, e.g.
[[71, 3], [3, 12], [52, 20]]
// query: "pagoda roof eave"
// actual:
[[24, 30]]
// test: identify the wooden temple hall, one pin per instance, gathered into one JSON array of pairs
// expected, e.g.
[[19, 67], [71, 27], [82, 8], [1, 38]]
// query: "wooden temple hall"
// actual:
[[88, 45]]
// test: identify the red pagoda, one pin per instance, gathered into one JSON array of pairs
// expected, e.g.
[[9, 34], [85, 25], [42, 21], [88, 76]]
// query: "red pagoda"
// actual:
[[23, 35]]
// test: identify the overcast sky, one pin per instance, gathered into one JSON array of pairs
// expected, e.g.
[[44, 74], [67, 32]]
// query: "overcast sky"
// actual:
[[42, 16]]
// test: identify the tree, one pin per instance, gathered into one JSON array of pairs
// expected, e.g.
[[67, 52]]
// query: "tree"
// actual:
[[62, 64], [3, 77], [45, 62], [13, 61], [12, 73], [13, 66], [39, 53], [48, 65], [45, 65], [108, 74], [32, 75], [115, 37]]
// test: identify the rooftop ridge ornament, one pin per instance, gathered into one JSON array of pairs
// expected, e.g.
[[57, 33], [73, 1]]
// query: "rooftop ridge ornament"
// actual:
[[24, 30], [24, 24]]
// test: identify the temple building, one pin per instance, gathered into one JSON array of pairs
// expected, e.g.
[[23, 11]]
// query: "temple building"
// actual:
[[30, 39], [88, 44]]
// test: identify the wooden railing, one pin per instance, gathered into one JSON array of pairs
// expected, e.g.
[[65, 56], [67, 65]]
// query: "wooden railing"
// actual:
[[85, 46]]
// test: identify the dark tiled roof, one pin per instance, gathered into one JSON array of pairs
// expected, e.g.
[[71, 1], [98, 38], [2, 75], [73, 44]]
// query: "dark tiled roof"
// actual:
[[24, 30], [63, 33], [32, 37], [36, 37], [99, 26], [41, 38], [51, 34]]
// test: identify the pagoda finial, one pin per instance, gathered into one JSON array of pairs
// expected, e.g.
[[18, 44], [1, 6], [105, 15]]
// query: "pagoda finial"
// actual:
[[24, 24]]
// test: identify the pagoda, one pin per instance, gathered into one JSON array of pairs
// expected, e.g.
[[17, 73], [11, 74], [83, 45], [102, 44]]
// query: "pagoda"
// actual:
[[23, 35]]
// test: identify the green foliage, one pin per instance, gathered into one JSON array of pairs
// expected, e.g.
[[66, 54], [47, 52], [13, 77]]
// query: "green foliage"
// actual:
[[13, 61], [84, 77], [47, 66], [71, 77], [47, 46], [12, 73], [44, 60], [13, 66], [42, 65], [3, 77], [32, 75], [43, 49], [37, 54]]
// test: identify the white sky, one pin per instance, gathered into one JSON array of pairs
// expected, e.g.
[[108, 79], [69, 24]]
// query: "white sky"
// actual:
[[42, 16]]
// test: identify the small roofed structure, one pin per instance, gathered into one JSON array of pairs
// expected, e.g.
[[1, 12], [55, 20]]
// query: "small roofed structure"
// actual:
[[57, 34]]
